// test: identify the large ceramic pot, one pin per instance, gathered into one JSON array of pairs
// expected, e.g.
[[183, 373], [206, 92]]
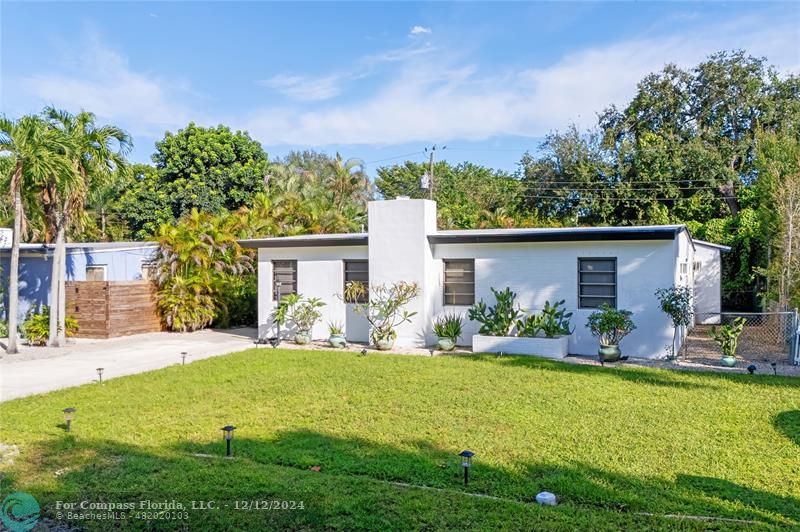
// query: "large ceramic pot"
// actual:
[[385, 344], [337, 340], [445, 344], [609, 353], [728, 361], [302, 337]]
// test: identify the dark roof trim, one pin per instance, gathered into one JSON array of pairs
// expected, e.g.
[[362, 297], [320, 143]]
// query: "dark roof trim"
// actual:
[[665, 233], [289, 242]]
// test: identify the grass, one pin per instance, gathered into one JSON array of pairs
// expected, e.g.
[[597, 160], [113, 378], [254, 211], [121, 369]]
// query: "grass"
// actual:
[[622, 447]]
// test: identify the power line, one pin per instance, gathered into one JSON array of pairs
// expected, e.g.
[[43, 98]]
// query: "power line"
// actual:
[[395, 157]]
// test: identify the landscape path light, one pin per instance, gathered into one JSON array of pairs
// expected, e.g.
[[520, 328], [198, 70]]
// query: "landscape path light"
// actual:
[[227, 433], [466, 462], [100, 374], [68, 412]]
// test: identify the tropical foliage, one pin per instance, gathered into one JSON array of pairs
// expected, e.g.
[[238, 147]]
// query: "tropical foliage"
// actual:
[[676, 302], [500, 318], [727, 336], [36, 327], [448, 326], [610, 325], [384, 308]]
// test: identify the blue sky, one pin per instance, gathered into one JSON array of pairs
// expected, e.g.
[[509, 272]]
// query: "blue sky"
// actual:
[[378, 81]]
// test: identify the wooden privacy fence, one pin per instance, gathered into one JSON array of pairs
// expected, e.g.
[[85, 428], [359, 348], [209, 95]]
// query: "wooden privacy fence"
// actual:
[[105, 309]]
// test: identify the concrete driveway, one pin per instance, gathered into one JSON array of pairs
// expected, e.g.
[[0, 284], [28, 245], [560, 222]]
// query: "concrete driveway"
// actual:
[[42, 369]]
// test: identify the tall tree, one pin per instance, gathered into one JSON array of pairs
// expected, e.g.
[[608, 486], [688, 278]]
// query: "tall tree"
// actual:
[[97, 155], [209, 169], [38, 152]]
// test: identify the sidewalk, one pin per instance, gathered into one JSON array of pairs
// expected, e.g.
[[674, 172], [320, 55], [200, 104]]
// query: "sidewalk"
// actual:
[[40, 369]]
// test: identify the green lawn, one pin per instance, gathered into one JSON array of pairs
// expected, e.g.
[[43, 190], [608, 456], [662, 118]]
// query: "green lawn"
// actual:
[[621, 447]]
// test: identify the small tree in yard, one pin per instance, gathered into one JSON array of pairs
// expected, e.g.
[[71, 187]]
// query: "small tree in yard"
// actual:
[[384, 308], [676, 302]]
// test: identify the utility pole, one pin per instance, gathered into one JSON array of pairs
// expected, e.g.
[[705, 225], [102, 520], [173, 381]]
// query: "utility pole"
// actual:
[[430, 169]]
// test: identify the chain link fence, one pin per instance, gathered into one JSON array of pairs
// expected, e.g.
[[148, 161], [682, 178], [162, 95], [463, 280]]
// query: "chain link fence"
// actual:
[[767, 336]]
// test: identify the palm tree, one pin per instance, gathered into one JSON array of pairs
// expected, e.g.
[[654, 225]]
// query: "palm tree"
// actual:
[[347, 180], [38, 152], [98, 154]]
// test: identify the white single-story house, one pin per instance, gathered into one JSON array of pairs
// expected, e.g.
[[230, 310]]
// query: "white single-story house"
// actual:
[[708, 281], [585, 266]]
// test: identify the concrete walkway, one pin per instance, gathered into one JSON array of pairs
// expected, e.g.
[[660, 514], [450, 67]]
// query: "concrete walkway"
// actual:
[[40, 369]]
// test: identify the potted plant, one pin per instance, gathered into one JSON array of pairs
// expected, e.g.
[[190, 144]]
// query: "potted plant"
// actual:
[[676, 302], [727, 337], [448, 329], [610, 325], [336, 334], [384, 308], [301, 314]]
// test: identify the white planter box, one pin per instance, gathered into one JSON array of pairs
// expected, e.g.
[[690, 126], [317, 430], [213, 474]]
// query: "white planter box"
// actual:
[[516, 345]]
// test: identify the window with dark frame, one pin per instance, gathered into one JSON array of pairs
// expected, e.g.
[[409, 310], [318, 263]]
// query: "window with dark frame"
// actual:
[[357, 271], [459, 282], [285, 273], [597, 282]]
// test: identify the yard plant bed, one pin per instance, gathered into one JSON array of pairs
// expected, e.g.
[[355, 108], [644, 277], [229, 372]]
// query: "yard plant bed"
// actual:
[[361, 440]]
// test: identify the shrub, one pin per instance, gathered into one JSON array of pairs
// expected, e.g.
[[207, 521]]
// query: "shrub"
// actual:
[[676, 302], [236, 301], [499, 319], [448, 326], [727, 336], [335, 328], [300, 313], [551, 322], [36, 326], [610, 325], [384, 308]]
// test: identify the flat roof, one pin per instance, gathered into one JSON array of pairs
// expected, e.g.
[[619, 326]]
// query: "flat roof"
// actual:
[[300, 241], [712, 245], [480, 236], [90, 245], [557, 234]]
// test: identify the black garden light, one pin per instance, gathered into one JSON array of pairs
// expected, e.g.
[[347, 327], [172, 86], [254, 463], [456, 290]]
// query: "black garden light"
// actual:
[[774, 368], [466, 463], [751, 369], [184, 354], [227, 433], [100, 374], [68, 412]]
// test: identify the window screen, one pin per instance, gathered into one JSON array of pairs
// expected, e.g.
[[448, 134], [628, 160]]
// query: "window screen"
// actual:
[[597, 282], [357, 271], [284, 278], [96, 273], [459, 281]]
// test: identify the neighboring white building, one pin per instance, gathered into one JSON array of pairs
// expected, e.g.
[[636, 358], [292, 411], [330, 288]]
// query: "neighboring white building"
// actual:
[[583, 266], [707, 267]]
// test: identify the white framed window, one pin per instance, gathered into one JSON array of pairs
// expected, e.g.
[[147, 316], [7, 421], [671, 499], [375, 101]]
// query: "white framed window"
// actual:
[[597, 282], [459, 282], [96, 272]]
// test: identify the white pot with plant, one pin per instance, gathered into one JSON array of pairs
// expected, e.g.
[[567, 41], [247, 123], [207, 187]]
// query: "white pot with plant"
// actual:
[[336, 336], [448, 329], [383, 307]]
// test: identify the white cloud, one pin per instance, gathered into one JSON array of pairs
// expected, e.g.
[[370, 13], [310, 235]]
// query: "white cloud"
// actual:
[[436, 98], [418, 30], [305, 88], [102, 81]]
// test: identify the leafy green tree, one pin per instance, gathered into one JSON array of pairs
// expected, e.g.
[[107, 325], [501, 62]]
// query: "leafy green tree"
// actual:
[[38, 151], [96, 154], [145, 205], [209, 169], [468, 195]]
